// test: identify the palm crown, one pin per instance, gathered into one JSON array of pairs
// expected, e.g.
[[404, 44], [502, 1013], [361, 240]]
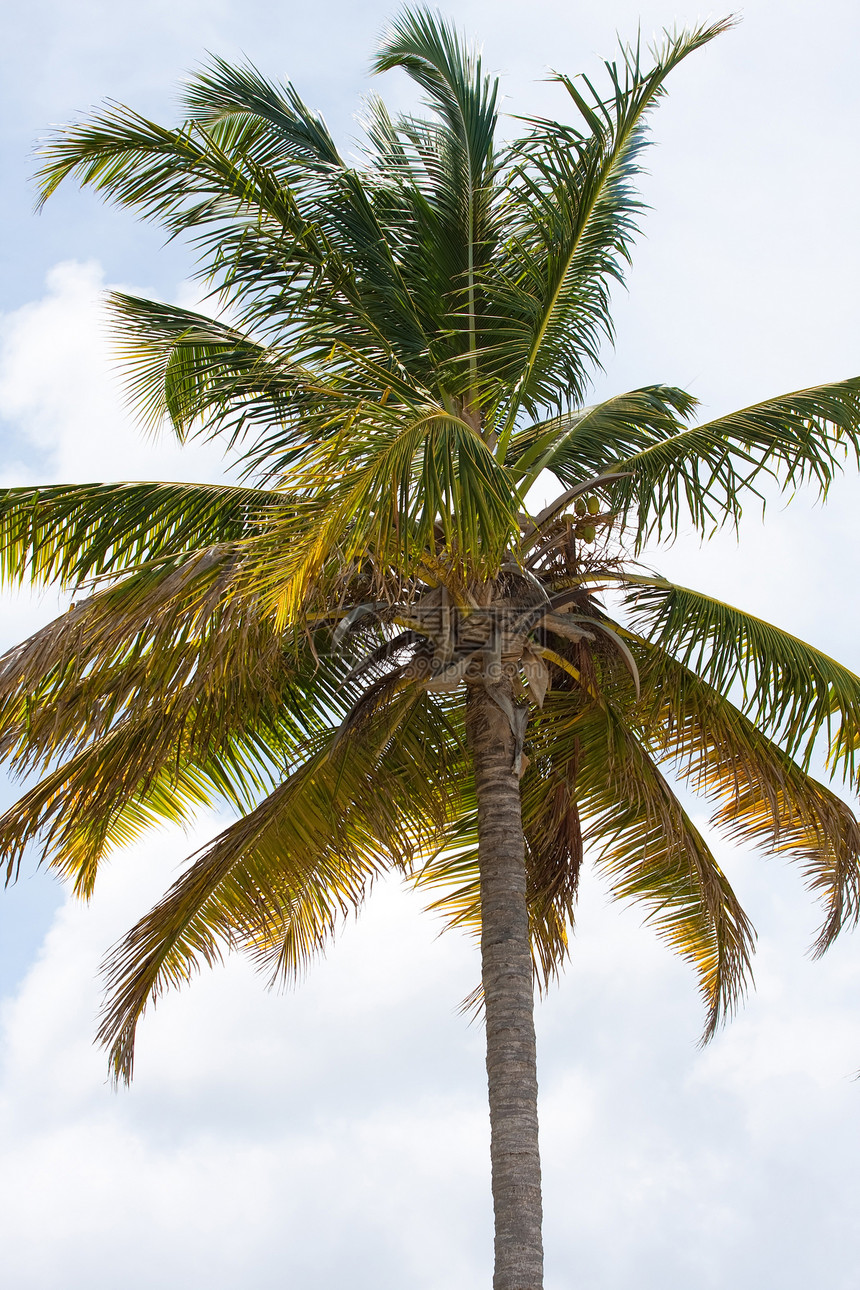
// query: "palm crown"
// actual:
[[404, 348]]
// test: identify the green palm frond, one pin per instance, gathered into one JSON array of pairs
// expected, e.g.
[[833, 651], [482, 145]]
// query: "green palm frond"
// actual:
[[210, 379], [456, 163], [572, 212], [289, 232], [432, 52], [791, 690], [704, 473], [293, 142], [418, 483], [72, 533], [249, 225], [193, 369], [578, 446], [669, 472], [288, 133], [183, 178]]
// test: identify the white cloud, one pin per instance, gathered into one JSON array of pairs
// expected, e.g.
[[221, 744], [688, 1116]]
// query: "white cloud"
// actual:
[[61, 391]]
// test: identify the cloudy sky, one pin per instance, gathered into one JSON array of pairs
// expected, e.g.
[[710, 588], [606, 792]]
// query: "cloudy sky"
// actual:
[[338, 1135]]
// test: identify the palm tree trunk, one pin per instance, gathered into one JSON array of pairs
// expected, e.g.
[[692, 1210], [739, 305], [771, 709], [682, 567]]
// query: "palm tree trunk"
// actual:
[[506, 966]]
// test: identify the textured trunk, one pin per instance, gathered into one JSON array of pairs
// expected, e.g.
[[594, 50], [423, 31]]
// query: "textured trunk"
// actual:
[[506, 966]]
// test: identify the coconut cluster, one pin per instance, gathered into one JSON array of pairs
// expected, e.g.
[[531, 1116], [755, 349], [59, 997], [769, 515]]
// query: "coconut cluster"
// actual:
[[586, 506]]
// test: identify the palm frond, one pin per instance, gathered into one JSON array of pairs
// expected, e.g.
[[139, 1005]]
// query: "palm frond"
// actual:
[[158, 740], [642, 839], [72, 533], [458, 160], [192, 369], [211, 379], [576, 446], [763, 797], [293, 142], [416, 484], [791, 690], [572, 213], [182, 178], [108, 795], [706, 472], [288, 132], [176, 647], [248, 223]]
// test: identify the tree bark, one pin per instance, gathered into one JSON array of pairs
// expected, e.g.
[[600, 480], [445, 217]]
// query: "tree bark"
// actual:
[[507, 975]]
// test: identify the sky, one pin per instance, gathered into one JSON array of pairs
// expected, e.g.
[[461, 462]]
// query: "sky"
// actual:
[[338, 1134]]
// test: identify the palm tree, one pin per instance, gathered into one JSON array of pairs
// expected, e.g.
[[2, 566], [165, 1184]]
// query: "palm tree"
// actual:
[[374, 650]]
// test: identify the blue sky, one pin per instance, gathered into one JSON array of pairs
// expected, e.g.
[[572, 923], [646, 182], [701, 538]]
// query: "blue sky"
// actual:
[[338, 1134]]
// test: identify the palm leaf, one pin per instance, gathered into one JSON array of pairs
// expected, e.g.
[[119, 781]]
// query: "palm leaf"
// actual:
[[193, 369], [418, 486], [289, 133], [459, 161], [144, 752], [763, 797], [790, 689], [576, 447], [209, 378], [180, 660], [293, 142], [572, 211], [705, 472], [653, 854], [71, 533]]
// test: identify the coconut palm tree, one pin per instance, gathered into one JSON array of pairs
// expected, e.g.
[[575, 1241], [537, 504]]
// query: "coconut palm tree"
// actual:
[[374, 649]]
